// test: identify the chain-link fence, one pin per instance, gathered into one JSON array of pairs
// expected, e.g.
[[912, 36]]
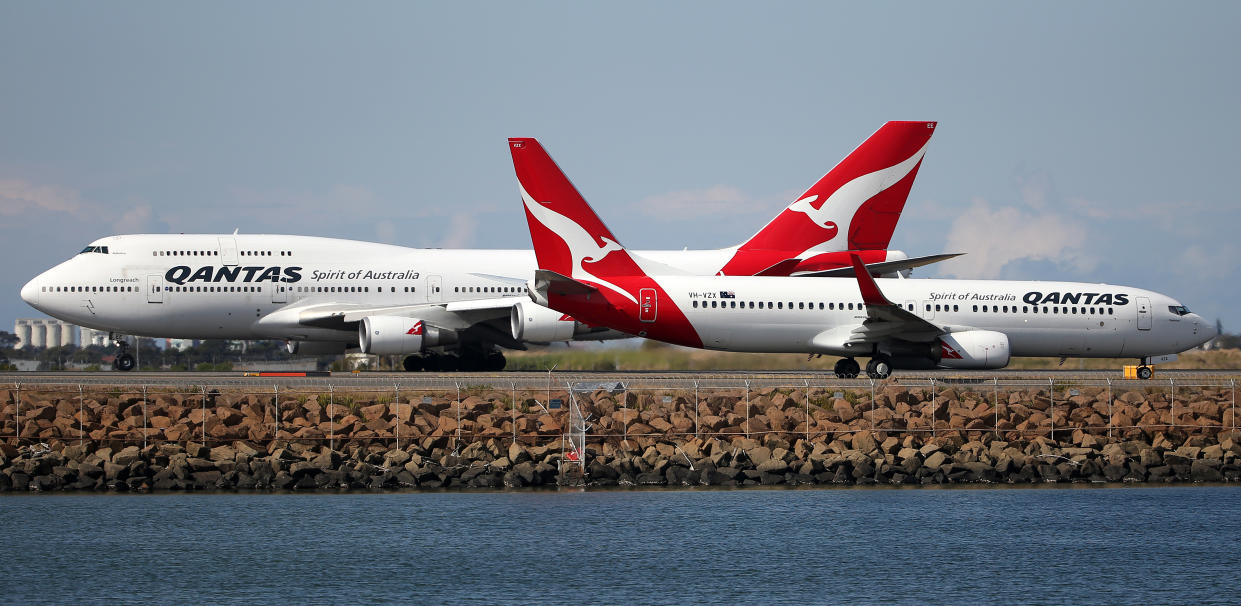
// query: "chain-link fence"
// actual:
[[455, 414]]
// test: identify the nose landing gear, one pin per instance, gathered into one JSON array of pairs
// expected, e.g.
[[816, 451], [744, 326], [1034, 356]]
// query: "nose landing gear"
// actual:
[[124, 360]]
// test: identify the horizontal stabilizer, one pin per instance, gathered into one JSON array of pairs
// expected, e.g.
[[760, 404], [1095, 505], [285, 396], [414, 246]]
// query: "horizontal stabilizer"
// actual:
[[885, 267], [546, 280], [783, 268]]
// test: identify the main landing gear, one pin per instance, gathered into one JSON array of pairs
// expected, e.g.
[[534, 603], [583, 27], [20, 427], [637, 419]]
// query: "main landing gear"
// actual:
[[877, 368], [847, 368], [124, 360], [469, 361]]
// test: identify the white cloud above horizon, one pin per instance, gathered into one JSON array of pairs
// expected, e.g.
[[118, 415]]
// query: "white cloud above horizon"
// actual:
[[993, 237]]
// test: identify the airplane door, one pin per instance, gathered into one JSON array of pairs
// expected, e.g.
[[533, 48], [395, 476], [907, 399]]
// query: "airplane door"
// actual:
[[926, 309], [433, 289], [155, 289], [279, 293], [648, 305], [228, 250], [1144, 313]]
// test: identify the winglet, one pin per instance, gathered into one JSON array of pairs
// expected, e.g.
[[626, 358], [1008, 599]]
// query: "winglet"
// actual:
[[870, 290]]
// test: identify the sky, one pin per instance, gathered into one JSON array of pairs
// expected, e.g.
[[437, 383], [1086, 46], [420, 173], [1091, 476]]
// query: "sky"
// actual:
[[1094, 142]]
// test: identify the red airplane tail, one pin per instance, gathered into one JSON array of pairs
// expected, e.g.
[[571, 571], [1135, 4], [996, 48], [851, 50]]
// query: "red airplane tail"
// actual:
[[569, 238], [855, 206]]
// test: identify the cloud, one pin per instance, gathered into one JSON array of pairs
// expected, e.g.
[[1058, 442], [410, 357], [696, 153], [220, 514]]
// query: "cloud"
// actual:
[[18, 196], [995, 237], [385, 231], [716, 200], [460, 232], [139, 219]]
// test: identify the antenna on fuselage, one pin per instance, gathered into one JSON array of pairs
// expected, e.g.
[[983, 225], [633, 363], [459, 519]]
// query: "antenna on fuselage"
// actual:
[[235, 230]]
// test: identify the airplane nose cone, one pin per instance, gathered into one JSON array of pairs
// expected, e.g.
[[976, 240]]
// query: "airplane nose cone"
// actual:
[[1208, 331], [30, 293]]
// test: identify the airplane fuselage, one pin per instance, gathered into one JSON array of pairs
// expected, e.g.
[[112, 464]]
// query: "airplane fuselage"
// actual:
[[819, 315]]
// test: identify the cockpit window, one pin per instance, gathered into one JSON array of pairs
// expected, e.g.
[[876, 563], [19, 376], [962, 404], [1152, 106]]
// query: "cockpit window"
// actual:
[[95, 249], [1179, 310]]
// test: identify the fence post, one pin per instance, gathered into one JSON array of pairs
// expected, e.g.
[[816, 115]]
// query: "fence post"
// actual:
[[144, 417], [872, 405], [695, 409], [933, 407], [81, 415], [747, 408], [396, 389], [1173, 384], [995, 394], [18, 437], [204, 417], [457, 445], [1234, 403], [1051, 412], [1109, 407], [276, 433], [513, 409], [807, 419], [331, 417]]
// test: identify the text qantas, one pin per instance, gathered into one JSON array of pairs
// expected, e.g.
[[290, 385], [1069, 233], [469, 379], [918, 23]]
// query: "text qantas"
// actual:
[[1035, 297], [182, 274]]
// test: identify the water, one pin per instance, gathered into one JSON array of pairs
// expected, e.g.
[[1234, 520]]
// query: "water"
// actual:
[[892, 546]]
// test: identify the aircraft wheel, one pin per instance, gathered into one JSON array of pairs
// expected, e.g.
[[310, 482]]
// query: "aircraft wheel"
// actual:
[[847, 368], [1145, 372], [878, 368], [469, 363], [414, 363], [124, 362], [450, 363], [494, 362]]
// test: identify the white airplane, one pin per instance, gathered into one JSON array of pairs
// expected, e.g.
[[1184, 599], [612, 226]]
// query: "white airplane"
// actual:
[[901, 324], [448, 309]]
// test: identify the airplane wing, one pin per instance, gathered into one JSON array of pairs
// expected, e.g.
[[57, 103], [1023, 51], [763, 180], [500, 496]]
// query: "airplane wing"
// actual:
[[885, 267], [886, 320], [454, 314]]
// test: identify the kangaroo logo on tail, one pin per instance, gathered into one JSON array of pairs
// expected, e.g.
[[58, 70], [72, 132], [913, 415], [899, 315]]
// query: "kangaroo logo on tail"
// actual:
[[583, 248], [845, 201]]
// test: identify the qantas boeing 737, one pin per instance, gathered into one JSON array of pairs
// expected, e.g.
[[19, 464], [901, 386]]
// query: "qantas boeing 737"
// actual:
[[449, 309], [899, 324]]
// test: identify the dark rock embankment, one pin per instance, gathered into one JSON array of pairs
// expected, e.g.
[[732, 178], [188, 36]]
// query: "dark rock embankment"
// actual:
[[109, 441]]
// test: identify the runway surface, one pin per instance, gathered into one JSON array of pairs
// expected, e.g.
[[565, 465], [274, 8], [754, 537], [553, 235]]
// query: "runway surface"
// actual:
[[589, 380]]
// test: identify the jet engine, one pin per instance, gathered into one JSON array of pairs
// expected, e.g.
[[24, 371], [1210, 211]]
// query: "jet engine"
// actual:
[[974, 350], [398, 335], [537, 324]]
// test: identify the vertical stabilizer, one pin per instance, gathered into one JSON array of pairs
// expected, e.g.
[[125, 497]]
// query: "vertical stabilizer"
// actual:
[[855, 206]]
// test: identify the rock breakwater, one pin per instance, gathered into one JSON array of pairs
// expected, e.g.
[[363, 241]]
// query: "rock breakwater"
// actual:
[[108, 439]]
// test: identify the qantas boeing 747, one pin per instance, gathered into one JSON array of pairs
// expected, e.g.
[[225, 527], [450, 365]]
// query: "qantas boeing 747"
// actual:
[[446, 309], [899, 324]]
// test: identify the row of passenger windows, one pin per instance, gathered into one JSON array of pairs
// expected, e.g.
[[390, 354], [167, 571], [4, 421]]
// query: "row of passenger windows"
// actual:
[[205, 253], [90, 289], [1025, 309], [775, 305], [477, 289]]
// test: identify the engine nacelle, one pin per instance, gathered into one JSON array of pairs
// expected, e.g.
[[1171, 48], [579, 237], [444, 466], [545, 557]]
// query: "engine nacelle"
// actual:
[[897, 255], [397, 335], [537, 324], [315, 348], [974, 350]]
